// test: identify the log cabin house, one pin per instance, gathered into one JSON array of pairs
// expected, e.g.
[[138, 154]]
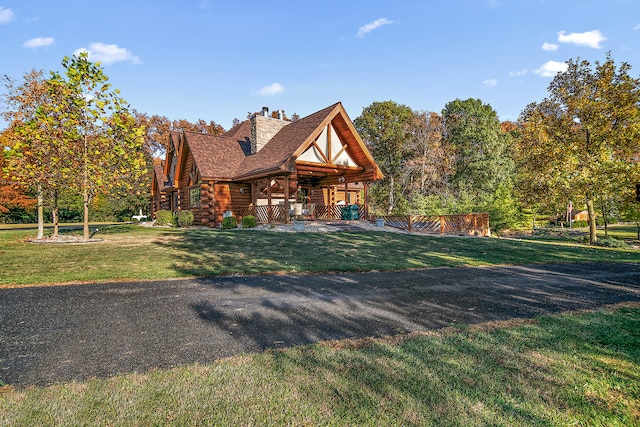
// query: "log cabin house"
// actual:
[[269, 167]]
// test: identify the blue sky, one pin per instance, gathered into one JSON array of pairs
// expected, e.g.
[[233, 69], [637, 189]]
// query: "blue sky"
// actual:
[[219, 60]]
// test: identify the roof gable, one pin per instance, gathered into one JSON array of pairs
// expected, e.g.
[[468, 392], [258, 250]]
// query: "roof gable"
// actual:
[[159, 179], [328, 148], [279, 151], [326, 138]]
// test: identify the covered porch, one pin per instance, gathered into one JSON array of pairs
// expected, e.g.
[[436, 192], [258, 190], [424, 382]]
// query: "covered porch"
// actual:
[[281, 199], [328, 168]]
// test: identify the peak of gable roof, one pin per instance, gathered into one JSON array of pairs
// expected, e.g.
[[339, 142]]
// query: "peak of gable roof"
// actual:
[[241, 130], [281, 147], [228, 156]]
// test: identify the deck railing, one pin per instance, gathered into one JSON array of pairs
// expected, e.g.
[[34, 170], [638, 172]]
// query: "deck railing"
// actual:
[[264, 214], [277, 212], [469, 224]]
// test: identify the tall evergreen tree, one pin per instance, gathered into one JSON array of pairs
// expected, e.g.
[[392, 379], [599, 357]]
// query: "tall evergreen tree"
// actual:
[[481, 157], [384, 127]]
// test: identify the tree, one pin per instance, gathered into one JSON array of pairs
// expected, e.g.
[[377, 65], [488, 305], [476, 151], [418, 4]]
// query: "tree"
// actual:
[[429, 164], [481, 158], [157, 130], [35, 155], [97, 131], [538, 179], [583, 138], [12, 194], [631, 212], [384, 127]]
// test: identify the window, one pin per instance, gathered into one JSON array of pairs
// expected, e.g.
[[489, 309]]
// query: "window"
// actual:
[[194, 196]]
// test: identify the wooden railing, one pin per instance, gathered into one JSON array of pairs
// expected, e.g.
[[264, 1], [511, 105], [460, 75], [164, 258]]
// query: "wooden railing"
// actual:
[[264, 214], [278, 212], [469, 224]]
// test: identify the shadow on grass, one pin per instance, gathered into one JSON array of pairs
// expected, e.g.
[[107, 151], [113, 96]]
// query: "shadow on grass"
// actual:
[[507, 377], [216, 253]]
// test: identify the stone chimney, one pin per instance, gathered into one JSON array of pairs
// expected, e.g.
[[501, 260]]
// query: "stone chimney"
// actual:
[[263, 128]]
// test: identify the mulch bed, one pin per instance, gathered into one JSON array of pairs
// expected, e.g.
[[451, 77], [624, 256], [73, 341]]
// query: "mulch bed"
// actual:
[[64, 239]]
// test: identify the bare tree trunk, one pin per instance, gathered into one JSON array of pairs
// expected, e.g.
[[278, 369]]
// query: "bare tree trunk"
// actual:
[[391, 198], [605, 217], [85, 190], [40, 202], [54, 214], [85, 203], [593, 238]]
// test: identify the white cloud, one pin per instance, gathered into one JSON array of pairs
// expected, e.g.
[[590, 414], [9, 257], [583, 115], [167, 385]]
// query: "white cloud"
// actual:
[[490, 82], [108, 54], [588, 39], [39, 42], [365, 29], [636, 28], [551, 68], [6, 15], [272, 89], [518, 73], [550, 47]]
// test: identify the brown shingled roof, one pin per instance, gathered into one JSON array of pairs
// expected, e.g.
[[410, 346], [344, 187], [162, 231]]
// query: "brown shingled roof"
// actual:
[[240, 130], [215, 156], [228, 156], [158, 169], [278, 151]]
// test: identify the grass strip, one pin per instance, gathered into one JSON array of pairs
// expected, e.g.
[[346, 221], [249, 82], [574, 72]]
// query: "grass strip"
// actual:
[[561, 370], [131, 252]]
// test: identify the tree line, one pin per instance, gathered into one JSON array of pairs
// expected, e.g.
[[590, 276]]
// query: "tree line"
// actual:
[[74, 149], [74, 142], [580, 145]]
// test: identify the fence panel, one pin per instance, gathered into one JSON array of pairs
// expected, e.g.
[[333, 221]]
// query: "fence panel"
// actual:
[[477, 224]]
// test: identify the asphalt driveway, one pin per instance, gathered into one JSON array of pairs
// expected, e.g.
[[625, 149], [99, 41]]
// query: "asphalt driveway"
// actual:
[[62, 333]]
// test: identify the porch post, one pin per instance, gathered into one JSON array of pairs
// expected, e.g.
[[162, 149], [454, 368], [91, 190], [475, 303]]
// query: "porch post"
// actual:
[[254, 198], [366, 200], [269, 211], [346, 193], [286, 199]]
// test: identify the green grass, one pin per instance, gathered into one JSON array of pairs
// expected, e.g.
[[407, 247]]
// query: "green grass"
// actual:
[[148, 253], [621, 231], [564, 370]]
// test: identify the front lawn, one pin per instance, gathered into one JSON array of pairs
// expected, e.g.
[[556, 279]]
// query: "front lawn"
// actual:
[[131, 252], [564, 370]]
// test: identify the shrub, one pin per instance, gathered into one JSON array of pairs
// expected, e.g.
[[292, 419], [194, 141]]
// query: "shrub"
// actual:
[[229, 222], [184, 218], [249, 221], [164, 217], [611, 242], [580, 223], [610, 220]]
